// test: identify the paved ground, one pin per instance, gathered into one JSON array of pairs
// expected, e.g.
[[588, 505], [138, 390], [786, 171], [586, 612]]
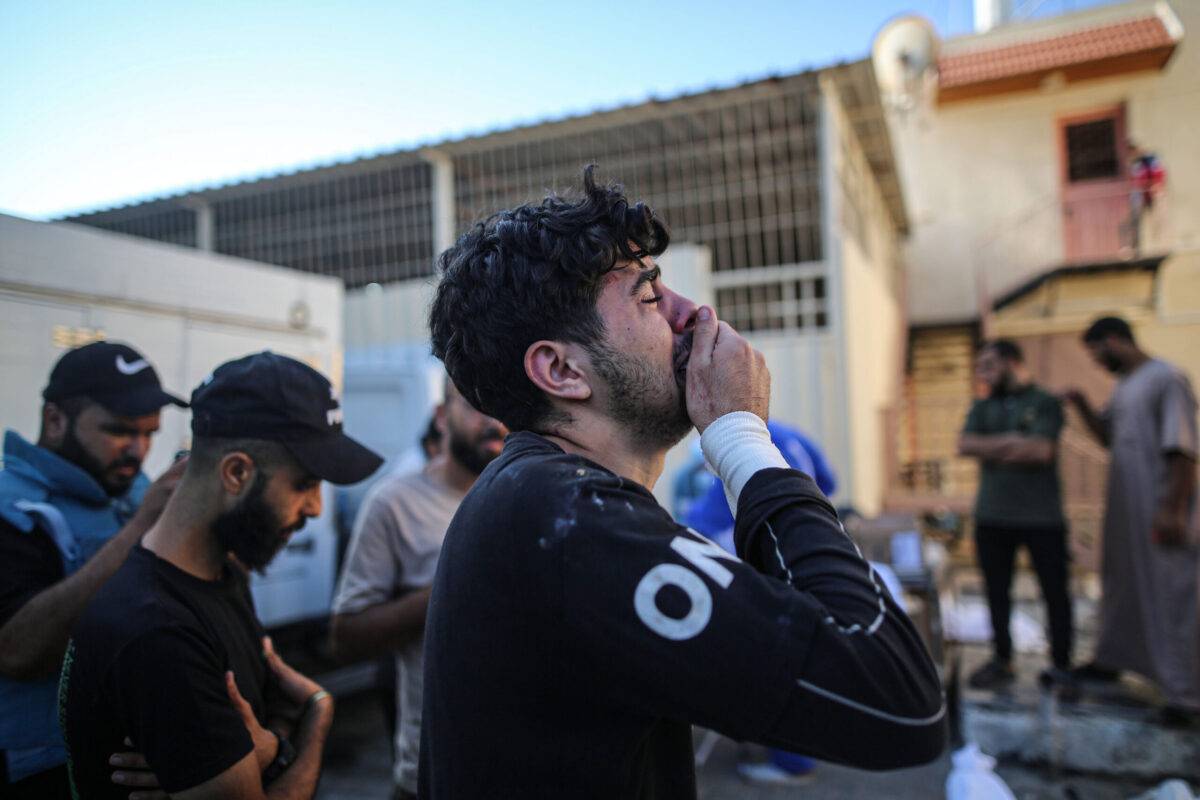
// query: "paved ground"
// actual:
[[358, 761]]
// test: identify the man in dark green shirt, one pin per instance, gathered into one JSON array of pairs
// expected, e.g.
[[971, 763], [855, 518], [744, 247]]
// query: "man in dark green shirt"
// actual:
[[1014, 434]]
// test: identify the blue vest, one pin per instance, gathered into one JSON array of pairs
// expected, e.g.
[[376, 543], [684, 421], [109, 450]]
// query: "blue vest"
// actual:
[[42, 491]]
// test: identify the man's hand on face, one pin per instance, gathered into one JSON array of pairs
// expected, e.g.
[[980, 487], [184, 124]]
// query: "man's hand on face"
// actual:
[[159, 492], [135, 773], [724, 373]]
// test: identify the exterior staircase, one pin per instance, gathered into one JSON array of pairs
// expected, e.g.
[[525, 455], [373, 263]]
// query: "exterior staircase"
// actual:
[[924, 469]]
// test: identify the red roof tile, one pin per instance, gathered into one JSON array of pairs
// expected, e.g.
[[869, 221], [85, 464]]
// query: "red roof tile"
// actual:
[[1093, 44]]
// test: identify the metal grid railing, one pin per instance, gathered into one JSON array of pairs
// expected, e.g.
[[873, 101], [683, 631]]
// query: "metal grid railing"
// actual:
[[372, 226], [740, 174], [172, 225], [789, 303], [738, 170]]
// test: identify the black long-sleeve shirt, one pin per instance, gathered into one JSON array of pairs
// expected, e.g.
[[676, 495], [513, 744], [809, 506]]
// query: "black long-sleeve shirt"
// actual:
[[576, 632]]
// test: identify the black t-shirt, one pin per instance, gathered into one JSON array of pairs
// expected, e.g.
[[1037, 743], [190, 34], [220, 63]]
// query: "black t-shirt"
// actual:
[[29, 564], [576, 631], [147, 660]]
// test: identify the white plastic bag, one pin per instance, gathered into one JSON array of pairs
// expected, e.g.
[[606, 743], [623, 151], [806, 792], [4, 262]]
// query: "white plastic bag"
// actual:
[[1169, 790], [972, 777]]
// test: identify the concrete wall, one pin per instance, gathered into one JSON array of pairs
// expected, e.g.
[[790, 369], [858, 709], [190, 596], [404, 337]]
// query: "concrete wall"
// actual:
[[867, 265], [393, 313], [981, 177], [1173, 332]]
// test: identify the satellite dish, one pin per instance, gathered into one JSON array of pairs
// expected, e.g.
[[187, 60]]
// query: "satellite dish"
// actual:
[[905, 57]]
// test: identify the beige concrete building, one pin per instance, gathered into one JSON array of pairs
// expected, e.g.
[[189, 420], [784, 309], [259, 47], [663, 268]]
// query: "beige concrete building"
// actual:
[[1017, 176]]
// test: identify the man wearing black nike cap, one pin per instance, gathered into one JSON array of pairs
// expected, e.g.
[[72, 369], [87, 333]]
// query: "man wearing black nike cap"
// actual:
[[71, 506], [170, 654]]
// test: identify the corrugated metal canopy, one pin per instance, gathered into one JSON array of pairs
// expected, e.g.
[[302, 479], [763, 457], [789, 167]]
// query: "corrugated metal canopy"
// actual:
[[859, 94]]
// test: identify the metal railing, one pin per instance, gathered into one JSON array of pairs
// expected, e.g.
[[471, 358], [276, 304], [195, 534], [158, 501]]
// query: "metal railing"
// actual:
[[924, 471], [1101, 222]]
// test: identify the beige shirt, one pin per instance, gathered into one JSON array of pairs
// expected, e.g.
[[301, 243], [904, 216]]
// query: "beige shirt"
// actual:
[[394, 549]]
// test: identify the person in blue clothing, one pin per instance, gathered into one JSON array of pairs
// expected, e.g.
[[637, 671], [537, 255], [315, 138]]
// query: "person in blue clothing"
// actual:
[[711, 515], [71, 507]]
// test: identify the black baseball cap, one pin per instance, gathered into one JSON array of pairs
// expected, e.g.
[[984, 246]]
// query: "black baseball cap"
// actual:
[[276, 398], [112, 374]]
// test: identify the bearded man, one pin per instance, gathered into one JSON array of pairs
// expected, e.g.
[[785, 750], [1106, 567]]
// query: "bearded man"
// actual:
[[1150, 608], [71, 507], [575, 630], [384, 590], [1014, 434], [169, 660]]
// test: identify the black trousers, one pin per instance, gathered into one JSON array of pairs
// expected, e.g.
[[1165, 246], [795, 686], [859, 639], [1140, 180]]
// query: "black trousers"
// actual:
[[997, 550], [53, 784]]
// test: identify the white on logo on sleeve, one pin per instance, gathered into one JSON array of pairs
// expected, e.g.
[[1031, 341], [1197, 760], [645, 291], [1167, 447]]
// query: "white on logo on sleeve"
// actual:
[[702, 555], [680, 577]]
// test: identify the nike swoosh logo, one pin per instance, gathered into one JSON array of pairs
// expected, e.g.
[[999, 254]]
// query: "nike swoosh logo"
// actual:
[[131, 368]]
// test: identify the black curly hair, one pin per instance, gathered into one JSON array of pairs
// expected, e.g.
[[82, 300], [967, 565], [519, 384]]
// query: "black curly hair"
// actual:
[[531, 273]]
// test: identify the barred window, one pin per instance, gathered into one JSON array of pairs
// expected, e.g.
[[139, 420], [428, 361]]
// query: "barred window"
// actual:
[[1092, 151], [789, 303]]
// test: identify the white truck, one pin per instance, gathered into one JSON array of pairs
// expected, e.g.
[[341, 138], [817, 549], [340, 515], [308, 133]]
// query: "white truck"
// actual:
[[62, 285]]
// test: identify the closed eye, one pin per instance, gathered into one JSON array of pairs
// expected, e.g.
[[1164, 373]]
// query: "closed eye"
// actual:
[[653, 300]]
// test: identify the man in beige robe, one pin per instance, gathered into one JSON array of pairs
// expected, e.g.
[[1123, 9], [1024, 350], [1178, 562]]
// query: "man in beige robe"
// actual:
[[1150, 611]]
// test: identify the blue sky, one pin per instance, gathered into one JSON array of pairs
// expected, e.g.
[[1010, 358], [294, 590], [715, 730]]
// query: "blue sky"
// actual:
[[107, 101]]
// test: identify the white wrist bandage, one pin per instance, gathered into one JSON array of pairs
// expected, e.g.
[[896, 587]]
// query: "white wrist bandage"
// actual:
[[736, 446]]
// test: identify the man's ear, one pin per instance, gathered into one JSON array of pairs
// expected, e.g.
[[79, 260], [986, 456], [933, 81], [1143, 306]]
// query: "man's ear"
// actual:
[[55, 423], [439, 418], [236, 472], [554, 367]]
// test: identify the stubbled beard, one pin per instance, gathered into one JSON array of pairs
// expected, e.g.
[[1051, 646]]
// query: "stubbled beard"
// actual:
[[1003, 385], [652, 410], [113, 485], [251, 530], [472, 453]]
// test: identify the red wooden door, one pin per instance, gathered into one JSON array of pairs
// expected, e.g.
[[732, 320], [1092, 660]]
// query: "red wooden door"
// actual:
[[1095, 186]]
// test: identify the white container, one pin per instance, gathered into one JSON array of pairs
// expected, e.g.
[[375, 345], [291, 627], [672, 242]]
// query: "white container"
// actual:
[[973, 778]]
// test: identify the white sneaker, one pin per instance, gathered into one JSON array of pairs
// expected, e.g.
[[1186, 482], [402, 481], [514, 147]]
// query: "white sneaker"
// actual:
[[767, 774]]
